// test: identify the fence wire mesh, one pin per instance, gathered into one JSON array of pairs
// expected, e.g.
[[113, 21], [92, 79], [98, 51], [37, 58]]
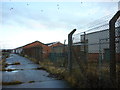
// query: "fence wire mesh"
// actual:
[[59, 55], [90, 55]]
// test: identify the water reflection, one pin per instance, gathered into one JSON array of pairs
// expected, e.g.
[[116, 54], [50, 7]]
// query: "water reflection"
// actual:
[[12, 71]]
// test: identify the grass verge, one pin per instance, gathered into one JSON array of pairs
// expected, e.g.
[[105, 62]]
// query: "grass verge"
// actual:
[[58, 72], [81, 77]]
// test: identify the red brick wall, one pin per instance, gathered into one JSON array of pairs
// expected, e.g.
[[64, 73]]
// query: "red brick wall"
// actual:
[[45, 48], [46, 51], [93, 57]]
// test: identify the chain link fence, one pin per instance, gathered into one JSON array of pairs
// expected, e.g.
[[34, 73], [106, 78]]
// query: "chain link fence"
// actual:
[[59, 55], [91, 56], [87, 55], [34, 52]]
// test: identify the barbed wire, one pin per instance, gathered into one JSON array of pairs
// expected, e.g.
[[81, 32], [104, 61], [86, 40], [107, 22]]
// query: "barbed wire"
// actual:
[[97, 27]]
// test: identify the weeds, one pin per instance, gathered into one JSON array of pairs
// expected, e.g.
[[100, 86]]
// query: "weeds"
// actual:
[[85, 77], [12, 83], [9, 70], [4, 64], [31, 81], [15, 63]]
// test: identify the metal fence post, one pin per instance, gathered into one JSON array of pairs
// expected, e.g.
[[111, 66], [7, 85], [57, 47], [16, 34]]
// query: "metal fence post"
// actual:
[[64, 54], [70, 50], [85, 51], [113, 47], [100, 63]]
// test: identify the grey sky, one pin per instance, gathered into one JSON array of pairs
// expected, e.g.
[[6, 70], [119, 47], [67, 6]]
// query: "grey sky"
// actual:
[[25, 22]]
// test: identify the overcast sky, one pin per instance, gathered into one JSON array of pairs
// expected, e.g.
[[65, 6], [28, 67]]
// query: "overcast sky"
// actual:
[[25, 22]]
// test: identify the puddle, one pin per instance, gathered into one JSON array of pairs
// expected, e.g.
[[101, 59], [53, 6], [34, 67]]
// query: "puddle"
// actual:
[[9, 63], [11, 70], [10, 67], [10, 57], [14, 71]]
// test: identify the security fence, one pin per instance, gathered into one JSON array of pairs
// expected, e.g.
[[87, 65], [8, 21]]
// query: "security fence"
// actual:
[[91, 57], [87, 56], [59, 55], [34, 52]]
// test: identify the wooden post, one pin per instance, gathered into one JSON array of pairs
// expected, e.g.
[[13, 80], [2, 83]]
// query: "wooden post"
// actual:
[[70, 50]]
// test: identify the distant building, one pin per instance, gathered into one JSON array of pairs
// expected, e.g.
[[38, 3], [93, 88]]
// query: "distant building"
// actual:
[[18, 50], [45, 49], [98, 42], [26, 49], [53, 44], [57, 51], [119, 5]]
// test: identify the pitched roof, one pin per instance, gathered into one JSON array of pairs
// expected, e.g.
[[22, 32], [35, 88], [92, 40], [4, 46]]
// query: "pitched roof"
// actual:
[[33, 44], [48, 44], [38, 43], [53, 44], [56, 44]]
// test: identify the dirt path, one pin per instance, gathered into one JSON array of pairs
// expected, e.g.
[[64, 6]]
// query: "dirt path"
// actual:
[[28, 75]]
